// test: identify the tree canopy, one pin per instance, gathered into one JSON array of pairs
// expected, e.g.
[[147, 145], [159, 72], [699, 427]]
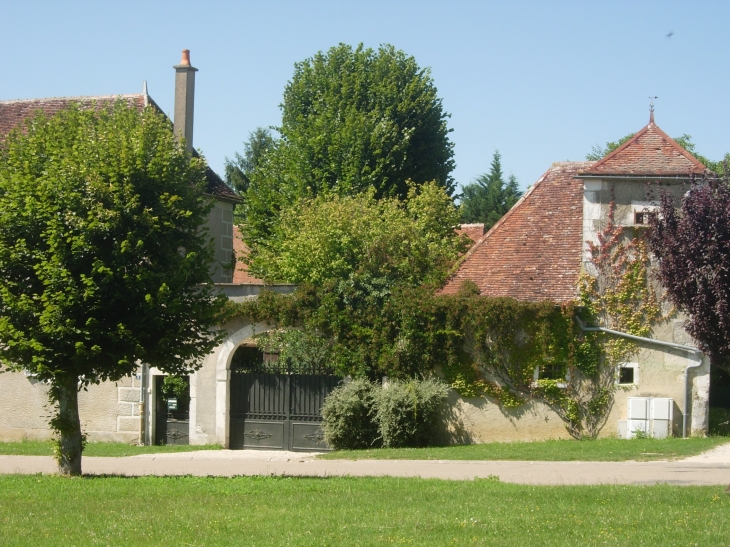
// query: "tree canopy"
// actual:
[[101, 254], [352, 120], [341, 237], [692, 244], [488, 198], [238, 170]]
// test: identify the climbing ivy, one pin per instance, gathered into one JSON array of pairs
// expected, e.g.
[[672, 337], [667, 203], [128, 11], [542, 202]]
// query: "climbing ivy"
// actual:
[[617, 293], [508, 351]]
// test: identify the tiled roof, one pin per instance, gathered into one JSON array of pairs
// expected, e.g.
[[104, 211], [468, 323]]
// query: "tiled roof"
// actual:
[[534, 252], [240, 249], [651, 152], [12, 113], [473, 231]]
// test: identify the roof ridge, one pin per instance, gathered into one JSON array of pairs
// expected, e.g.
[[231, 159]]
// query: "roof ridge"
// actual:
[[79, 97]]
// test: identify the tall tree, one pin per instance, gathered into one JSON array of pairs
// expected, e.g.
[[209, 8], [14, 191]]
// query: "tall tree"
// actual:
[[352, 119], [238, 170], [488, 198], [101, 255], [692, 244]]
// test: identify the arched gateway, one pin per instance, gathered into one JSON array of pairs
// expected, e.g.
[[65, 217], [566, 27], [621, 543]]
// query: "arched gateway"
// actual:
[[267, 403]]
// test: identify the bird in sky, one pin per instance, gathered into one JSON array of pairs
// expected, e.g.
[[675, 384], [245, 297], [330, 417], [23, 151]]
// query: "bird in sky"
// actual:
[[671, 33]]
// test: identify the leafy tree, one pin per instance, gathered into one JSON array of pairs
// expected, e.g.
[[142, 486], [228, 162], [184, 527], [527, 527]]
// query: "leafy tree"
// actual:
[[692, 243], [238, 170], [489, 198], [343, 237], [352, 119], [101, 255]]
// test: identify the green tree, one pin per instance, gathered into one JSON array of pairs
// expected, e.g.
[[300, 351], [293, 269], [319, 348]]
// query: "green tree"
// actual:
[[101, 255], [488, 198], [238, 170], [352, 119], [342, 237]]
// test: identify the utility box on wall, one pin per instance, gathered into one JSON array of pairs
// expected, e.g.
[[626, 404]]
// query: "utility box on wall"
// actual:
[[649, 416]]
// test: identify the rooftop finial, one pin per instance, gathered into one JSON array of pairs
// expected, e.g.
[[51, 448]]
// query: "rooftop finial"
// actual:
[[144, 87], [651, 108]]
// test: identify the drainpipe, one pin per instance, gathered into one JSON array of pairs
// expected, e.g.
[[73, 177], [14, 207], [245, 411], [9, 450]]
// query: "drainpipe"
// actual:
[[686, 396], [144, 384], [689, 349]]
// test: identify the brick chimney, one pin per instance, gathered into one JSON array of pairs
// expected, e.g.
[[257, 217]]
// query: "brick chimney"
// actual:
[[184, 100]]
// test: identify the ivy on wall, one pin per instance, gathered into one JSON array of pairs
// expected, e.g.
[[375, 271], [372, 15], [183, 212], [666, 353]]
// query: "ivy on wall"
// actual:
[[499, 348]]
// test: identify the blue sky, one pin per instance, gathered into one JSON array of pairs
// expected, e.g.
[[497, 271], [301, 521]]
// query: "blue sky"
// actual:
[[540, 81]]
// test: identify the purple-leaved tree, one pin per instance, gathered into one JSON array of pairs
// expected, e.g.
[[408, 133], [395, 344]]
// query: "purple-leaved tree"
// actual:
[[692, 243]]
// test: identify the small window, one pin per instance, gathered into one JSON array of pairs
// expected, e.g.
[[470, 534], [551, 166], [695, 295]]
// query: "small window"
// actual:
[[626, 375], [644, 217]]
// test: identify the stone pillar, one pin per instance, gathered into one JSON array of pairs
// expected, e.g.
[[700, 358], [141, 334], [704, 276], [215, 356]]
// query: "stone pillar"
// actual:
[[700, 399]]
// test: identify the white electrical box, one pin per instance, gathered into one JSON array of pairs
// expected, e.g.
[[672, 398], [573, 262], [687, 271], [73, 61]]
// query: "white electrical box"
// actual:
[[660, 429], [638, 408], [661, 408], [652, 416], [637, 426]]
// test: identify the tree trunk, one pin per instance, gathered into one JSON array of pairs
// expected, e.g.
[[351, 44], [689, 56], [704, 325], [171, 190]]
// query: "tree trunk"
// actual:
[[68, 426]]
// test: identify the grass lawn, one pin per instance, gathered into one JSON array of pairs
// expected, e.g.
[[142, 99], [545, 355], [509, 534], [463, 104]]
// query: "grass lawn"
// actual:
[[112, 450], [183, 511], [606, 450]]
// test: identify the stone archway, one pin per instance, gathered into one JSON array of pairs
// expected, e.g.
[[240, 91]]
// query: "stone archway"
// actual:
[[223, 376]]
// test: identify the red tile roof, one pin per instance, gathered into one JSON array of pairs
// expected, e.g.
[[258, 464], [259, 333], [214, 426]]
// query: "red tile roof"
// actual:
[[534, 252], [651, 152], [240, 249], [12, 113], [473, 231]]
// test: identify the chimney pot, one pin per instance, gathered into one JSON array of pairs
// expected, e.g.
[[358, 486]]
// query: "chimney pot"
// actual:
[[185, 57]]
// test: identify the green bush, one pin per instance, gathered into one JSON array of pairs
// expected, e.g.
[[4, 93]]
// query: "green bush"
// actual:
[[720, 422], [407, 412], [348, 416]]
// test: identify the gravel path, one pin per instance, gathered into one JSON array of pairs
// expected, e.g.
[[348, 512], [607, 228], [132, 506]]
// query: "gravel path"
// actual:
[[710, 468]]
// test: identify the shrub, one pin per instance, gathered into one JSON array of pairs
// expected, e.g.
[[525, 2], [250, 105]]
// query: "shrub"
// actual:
[[720, 422], [407, 411], [348, 416]]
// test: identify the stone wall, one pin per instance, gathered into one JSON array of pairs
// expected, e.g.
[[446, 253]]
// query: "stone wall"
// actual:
[[660, 373], [220, 229], [109, 411]]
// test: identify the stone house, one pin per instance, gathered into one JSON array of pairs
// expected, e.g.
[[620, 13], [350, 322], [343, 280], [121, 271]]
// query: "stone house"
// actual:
[[537, 252], [111, 410]]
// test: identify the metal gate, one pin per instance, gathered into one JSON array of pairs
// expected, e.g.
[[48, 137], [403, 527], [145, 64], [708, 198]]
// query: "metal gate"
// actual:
[[276, 406]]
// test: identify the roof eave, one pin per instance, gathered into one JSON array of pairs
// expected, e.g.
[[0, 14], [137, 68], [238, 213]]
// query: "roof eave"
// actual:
[[684, 176]]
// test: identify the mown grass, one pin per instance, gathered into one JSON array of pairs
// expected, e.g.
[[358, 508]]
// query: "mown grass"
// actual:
[[112, 450], [49, 510], [607, 450]]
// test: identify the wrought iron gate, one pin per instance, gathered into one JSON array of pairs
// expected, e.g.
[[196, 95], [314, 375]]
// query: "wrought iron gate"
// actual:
[[277, 406]]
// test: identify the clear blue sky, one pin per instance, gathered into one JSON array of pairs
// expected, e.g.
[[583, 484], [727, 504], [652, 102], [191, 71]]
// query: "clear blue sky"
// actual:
[[540, 81]]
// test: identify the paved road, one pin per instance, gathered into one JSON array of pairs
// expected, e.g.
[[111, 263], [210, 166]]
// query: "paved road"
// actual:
[[711, 468]]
